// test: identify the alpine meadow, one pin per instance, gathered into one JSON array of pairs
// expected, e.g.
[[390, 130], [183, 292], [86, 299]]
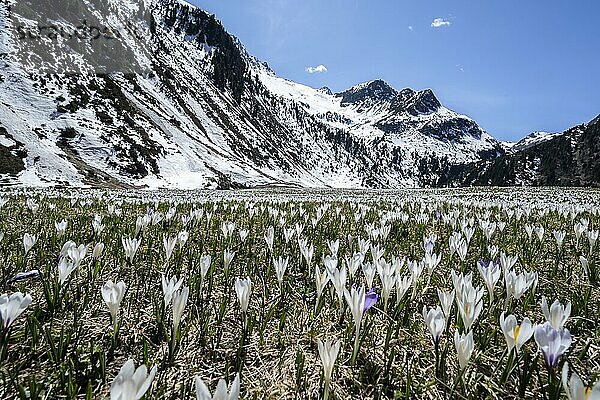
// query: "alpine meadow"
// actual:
[[227, 201]]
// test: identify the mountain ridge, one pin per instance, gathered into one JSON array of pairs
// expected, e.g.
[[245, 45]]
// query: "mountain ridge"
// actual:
[[570, 158], [205, 113]]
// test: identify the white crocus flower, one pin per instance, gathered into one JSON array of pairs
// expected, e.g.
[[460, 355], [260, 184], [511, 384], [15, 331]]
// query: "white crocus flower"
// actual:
[[469, 305], [243, 234], [269, 237], [461, 281], [29, 241], [434, 318], [77, 254], [169, 287], [557, 314], [575, 389], [169, 245], [516, 285], [328, 352], [131, 383], [338, 278], [403, 283], [464, 347], [281, 265], [202, 392], [243, 289], [579, 230], [97, 225], [12, 306], [334, 246], [369, 271], [204, 265], [227, 259], [516, 335], [112, 294], [65, 268], [98, 250], [131, 247], [462, 247], [182, 238], [559, 236], [180, 299], [330, 263], [321, 282], [388, 283], [507, 262], [308, 251], [490, 275], [431, 261], [356, 301], [529, 230], [540, 231], [61, 227], [446, 300], [353, 263]]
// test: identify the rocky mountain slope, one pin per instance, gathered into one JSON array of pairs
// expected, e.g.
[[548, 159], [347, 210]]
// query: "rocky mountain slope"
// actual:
[[198, 111], [571, 158]]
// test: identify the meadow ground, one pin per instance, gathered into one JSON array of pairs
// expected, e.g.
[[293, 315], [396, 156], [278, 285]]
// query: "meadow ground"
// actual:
[[304, 264]]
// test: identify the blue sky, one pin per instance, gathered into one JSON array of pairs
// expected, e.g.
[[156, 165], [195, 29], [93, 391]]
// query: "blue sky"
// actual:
[[515, 66]]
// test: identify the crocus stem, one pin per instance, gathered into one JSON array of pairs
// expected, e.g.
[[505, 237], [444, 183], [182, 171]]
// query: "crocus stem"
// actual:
[[437, 358], [3, 344], [356, 343], [200, 291], [326, 394], [173, 339], [115, 328]]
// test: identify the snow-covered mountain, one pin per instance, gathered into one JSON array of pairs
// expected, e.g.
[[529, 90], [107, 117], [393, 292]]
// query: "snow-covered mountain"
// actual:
[[198, 111], [532, 139], [570, 158]]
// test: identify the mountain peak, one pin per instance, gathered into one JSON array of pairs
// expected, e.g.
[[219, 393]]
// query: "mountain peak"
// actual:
[[416, 103], [368, 93]]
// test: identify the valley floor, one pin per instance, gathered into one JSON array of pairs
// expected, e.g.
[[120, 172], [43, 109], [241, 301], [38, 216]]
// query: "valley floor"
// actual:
[[418, 287]]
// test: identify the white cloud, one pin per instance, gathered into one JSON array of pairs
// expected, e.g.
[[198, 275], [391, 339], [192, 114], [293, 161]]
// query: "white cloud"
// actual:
[[439, 22], [316, 70], [410, 28]]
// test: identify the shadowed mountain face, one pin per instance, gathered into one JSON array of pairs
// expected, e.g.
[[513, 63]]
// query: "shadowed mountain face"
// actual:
[[568, 159], [369, 93], [187, 107]]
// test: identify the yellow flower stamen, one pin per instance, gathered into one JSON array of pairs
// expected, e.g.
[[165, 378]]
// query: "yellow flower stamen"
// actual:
[[516, 332], [588, 390]]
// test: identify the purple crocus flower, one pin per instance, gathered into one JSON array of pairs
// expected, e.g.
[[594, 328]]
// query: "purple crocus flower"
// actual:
[[552, 342], [370, 300], [486, 264], [438, 214], [24, 275]]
